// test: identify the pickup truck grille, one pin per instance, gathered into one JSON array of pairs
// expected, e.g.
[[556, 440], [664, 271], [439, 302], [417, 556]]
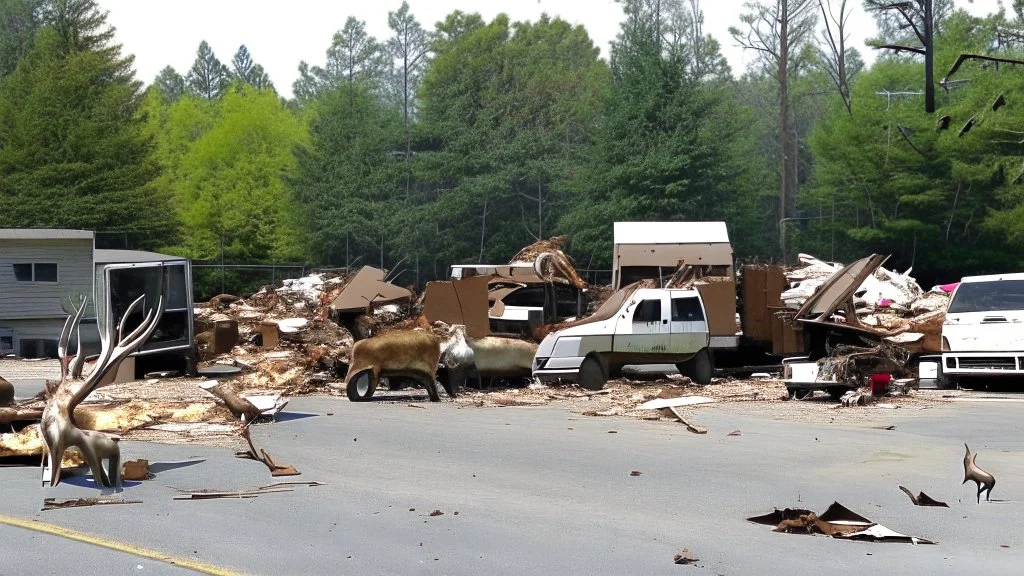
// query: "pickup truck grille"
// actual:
[[988, 362]]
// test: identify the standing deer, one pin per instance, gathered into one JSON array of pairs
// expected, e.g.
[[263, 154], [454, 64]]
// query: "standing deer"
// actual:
[[58, 427]]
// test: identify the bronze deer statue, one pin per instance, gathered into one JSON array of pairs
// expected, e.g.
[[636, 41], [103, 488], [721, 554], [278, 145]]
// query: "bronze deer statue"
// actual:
[[58, 427], [984, 480]]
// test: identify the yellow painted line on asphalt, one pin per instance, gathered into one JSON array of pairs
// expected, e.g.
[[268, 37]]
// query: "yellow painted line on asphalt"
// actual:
[[55, 530]]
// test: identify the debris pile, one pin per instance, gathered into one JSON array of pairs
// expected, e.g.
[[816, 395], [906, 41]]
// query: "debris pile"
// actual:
[[889, 304], [549, 261], [297, 337]]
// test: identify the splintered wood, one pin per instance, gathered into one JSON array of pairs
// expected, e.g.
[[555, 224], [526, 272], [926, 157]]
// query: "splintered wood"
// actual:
[[54, 504], [248, 493]]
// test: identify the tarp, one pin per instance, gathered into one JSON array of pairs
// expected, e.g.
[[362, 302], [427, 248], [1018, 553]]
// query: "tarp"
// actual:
[[366, 287]]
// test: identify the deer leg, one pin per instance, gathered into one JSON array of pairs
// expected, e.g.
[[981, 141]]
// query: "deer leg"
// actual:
[[454, 381], [114, 467], [431, 385], [99, 475]]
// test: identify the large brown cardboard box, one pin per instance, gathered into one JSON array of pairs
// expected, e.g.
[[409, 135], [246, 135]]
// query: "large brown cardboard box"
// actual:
[[719, 295], [762, 290]]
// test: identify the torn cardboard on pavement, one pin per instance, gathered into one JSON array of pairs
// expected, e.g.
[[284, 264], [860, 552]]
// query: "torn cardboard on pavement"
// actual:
[[837, 521]]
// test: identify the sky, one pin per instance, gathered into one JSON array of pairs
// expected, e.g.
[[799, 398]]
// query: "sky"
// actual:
[[280, 34]]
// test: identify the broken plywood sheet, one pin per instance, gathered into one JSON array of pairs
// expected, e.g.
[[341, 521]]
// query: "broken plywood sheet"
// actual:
[[368, 287], [459, 302], [659, 403]]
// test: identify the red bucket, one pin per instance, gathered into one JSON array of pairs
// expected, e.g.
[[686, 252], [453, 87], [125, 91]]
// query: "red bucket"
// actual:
[[880, 383]]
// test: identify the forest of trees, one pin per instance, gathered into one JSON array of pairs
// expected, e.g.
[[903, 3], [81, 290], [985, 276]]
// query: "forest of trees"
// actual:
[[466, 140]]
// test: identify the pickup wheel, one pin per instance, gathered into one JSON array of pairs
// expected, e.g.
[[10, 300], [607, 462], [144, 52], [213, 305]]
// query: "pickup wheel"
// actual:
[[592, 374], [700, 369], [361, 387]]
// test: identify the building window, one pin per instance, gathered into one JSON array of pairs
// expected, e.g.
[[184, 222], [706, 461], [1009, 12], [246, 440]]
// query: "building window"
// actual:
[[37, 272], [6, 341]]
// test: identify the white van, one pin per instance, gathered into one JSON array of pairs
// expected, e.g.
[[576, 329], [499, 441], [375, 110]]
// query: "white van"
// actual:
[[983, 334], [635, 326]]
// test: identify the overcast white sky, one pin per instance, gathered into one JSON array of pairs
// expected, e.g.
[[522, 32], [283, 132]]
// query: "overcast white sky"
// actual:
[[280, 34]]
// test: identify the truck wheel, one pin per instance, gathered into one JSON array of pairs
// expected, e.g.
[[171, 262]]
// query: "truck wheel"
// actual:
[[836, 393], [592, 374], [361, 387], [799, 393], [699, 368]]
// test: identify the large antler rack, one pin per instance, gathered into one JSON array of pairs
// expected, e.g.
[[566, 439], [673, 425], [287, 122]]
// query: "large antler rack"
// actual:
[[58, 427]]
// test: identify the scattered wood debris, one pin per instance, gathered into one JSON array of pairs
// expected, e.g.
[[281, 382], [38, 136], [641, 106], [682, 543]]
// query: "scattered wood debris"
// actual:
[[436, 513], [837, 521], [923, 499], [276, 469], [691, 427], [635, 473], [136, 470], [735, 433], [54, 504], [684, 558], [250, 493]]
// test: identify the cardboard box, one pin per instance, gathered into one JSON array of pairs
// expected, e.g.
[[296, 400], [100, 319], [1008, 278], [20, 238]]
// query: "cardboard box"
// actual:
[[459, 302], [719, 295], [762, 290]]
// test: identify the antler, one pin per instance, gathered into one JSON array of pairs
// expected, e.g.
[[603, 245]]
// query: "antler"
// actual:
[[70, 325], [114, 348]]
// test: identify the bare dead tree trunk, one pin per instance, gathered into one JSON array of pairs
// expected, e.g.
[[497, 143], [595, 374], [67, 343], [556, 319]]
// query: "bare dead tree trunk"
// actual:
[[540, 212], [929, 60], [835, 43], [952, 212], [783, 77], [483, 231]]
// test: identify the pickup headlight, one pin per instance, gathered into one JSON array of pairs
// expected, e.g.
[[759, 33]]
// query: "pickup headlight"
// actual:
[[539, 362], [945, 344]]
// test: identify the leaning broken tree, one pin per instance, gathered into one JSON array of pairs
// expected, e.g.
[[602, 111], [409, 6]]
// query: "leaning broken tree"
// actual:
[[58, 427]]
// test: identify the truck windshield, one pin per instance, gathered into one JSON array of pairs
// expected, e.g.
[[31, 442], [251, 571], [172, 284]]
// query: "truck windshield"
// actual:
[[994, 296]]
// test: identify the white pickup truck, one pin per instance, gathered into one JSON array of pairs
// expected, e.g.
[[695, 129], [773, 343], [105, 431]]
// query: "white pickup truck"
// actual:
[[983, 334], [635, 326]]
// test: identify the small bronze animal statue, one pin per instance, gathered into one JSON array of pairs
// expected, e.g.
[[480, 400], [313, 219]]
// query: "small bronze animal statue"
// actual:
[[984, 480]]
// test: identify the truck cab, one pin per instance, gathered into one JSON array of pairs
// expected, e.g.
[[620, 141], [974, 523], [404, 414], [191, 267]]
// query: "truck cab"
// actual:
[[635, 326], [519, 300], [983, 333]]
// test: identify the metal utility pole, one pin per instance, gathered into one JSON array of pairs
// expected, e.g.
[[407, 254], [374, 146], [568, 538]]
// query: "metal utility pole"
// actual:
[[929, 57]]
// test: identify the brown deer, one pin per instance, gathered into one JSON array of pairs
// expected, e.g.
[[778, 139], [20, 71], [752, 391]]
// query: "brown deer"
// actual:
[[409, 353], [984, 480], [58, 427]]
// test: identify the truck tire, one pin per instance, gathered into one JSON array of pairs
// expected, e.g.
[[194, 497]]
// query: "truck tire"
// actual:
[[592, 374], [361, 387], [799, 393], [699, 369]]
